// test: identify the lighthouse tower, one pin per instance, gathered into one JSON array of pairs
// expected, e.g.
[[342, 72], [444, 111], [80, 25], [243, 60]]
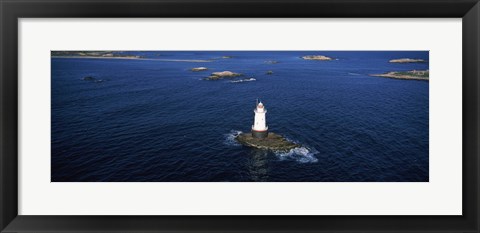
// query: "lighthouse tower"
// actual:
[[259, 127]]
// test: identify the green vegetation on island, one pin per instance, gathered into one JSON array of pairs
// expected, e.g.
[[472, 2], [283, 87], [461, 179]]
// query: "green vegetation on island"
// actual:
[[422, 75]]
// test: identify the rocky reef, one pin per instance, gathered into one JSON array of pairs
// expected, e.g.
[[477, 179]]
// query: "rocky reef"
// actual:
[[271, 62], [196, 69], [422, 75], [272, 142], [317, 57], [222, 75], [92, 79], [406, 60]]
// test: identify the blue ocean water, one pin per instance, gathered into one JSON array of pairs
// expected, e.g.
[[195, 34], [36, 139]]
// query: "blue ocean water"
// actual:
[[155, 120]]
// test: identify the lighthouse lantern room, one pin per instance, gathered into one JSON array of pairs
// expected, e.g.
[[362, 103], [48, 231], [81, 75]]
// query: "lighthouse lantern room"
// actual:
[[259, 127]]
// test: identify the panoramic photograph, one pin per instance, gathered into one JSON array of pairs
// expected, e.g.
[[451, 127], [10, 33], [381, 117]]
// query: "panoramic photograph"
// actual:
[[239, 116]]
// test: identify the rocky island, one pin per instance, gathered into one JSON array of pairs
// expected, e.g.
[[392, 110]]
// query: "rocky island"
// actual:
[[271, 142], [222, 75], [317, 57], [422, 75], [407, 60], [197, 69]]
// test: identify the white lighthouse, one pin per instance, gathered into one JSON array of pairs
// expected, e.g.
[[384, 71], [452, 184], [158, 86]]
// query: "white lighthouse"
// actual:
[[259, 127]]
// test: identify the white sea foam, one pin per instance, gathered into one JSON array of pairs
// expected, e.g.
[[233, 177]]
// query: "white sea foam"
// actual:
[[299, 154], [243, 80], [230, 138]]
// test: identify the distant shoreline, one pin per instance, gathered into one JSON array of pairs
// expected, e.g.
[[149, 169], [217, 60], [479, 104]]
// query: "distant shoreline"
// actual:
[[131, 58]]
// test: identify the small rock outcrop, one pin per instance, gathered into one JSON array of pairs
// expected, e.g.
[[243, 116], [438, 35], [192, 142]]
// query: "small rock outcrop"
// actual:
[[317, 57], [269, 72], [273, 142], [92, 79], [222, 75], [197, 69]]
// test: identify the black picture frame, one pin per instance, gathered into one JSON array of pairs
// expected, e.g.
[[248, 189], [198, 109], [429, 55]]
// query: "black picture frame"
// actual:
[[11, 11]]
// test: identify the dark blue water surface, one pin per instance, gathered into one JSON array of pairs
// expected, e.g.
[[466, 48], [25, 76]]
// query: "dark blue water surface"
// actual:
[[155, 120]]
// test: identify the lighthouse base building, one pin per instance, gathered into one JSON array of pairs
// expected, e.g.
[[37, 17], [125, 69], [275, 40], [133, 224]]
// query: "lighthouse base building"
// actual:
[[259, 134], [259, 127]]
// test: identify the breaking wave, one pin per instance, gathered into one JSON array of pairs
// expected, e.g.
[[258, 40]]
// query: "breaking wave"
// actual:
[[299, 154], [230, 138], [243, 80]]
